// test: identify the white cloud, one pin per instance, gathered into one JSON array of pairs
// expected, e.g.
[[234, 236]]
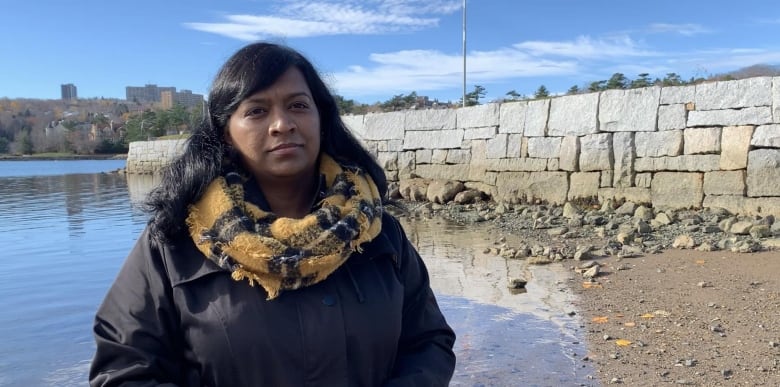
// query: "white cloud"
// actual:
[[298, 19], [432, 70], [687, 29]]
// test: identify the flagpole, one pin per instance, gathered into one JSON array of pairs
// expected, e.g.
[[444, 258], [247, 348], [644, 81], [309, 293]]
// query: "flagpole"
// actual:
[[464, 53]]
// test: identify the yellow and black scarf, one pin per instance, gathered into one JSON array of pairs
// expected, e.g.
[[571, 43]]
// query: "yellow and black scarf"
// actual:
[[284, 253]]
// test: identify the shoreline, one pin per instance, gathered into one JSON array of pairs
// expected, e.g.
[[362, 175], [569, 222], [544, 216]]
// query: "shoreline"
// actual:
[[121, 156], [694, 300]]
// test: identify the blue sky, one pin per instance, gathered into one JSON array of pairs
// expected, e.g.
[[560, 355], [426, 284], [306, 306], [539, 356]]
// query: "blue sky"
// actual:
[[371, 50]]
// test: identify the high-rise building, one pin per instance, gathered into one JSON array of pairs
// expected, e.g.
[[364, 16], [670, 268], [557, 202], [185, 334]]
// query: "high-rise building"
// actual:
[[147, 93], [68, 91]]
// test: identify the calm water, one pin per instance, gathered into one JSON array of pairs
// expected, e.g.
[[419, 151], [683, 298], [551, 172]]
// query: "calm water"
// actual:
[[66, 227]]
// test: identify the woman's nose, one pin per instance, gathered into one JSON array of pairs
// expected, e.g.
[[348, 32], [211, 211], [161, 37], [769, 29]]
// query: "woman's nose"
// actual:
[[281, 121]]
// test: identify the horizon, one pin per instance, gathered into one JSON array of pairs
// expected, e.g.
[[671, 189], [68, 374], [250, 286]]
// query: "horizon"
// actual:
[[370, 51]]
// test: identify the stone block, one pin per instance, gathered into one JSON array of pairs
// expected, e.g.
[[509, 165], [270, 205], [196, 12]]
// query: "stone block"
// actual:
[[596, 152], [633, 110], [677, 190], [388, 160], [479, 133], [671, 117], [478, 116], [684, 163], [536, 116], [544, 147], [423, 156], [384, 126], [496, 147], [657, 144], [643, 180], [630, 194], [624, 155], [776, 100], [570, 154], [730, 117], [430, 119], [573, 115], [763, 173], [584, 185], [517, 187], [734, 147], [525, 164], [737, 94], [514, 144], [701, 141], [766, 136], [677, 95], [724, 183], [439, 156], [458, 156], [355, 124], [433, 139], [511, 117]]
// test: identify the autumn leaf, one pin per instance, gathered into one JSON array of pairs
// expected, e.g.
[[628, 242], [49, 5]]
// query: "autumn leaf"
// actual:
[[600, 319], [700, 261], [647, 315], [588, 285], [622, 342], [619, 315], [630, 324]]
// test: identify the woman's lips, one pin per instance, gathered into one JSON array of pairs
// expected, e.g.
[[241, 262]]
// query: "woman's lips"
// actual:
[[285, 146]]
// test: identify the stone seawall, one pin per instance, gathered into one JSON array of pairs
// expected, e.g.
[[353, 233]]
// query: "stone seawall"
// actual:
[[708, 145], [148, 157]]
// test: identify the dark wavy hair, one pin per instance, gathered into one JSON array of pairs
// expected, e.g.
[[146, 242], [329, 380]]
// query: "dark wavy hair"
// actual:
[[253, 68]]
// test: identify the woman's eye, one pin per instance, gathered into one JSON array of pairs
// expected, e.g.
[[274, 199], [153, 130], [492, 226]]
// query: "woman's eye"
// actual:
[[299, 105], [255, 111]]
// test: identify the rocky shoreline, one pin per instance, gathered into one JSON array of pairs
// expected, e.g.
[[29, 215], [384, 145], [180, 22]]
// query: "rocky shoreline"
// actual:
[[681, 297]]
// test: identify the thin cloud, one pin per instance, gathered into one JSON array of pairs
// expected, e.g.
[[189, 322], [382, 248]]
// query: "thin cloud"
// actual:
[[300, 19], [584, 47], [687, 29]]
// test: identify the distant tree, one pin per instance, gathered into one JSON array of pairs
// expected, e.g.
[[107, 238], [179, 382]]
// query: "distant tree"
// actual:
[[24, 143], [4, 145], [346, 106], [642, 81], [597, 86], [671, 79], [617, 81], [573, 90], [513, 95], [542, 92], [475, 95]]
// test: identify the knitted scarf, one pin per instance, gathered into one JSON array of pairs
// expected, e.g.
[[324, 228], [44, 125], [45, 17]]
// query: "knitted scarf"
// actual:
[[284, 253]]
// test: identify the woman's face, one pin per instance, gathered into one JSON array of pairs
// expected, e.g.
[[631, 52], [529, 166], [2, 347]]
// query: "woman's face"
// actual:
[[276, 131]]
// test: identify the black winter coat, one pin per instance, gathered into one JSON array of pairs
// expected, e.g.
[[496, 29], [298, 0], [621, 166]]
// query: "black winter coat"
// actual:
[[173, 317]]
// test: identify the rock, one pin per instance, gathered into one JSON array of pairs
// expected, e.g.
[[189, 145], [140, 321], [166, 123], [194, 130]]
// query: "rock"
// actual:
[[592, 272], [683, 242], [642, 227], [415, 189], [663, 218], [628, 208], [442, 191], [539, 260], [643, 213], [467, 196], [624, 238], [741, 228], [570, 211], [517, 283], [582, 253], [759, 231]]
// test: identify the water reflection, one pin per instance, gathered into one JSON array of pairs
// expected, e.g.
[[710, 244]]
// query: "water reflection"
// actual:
[[504, 338]]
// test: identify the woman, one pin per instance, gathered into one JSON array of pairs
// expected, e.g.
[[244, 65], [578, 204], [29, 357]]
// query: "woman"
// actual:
[[268, 259]]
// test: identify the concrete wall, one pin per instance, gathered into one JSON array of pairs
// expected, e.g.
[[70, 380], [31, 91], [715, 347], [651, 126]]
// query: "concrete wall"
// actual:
[[708, 145]]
